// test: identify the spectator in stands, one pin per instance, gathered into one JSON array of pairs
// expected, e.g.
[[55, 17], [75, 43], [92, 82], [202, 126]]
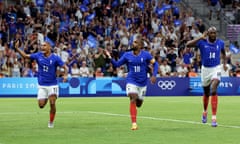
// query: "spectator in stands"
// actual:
[[226, 69], [214, 6], [195, 32], [69, 26], [110, 71], [99, 59], [98, 72], [16, 65], [64, 54], [191, 72], [190, 19], [27, 72], [228, 54], [84, 70], [121, 71], [172, 56], [7, 67], [182, 70], [188, 55], [75, 72], [201, 26], [164, 68]]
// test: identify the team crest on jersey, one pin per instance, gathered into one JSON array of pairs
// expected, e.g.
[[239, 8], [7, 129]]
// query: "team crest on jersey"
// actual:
[[50, 61], [141, 59]]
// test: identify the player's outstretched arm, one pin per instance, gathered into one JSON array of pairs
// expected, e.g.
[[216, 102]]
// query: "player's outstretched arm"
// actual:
[[194, 41], [22, 53]]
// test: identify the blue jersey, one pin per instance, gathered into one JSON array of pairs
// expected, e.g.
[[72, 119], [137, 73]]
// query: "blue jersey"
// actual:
[[47, 67], [137, 66], [210, 52]]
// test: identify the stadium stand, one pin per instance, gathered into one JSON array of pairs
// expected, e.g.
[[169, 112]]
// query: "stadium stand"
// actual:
[[79, 30]]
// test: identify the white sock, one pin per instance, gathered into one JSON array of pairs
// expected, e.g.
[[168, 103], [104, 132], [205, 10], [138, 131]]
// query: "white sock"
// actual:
[[214, 117]]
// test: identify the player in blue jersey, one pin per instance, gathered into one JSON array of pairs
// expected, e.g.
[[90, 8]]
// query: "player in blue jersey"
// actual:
[[47, 80], [211, 50], [137, 61]]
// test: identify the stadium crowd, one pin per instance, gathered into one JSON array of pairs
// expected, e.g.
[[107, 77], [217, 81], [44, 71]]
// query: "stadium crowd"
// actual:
[[79, 31], [228, 8]]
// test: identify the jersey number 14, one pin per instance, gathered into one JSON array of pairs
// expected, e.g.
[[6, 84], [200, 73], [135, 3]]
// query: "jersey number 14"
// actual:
[[212, 55]]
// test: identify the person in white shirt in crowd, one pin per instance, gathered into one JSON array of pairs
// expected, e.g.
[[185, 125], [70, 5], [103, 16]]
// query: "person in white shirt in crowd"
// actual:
[[75, 71], [182, 70], [57, 51], [155, 44], [79, 14], [195, 33], [172, 34], [189, 19], [124, 35], [226, 69], [155, 24], [16, 68], [84, 70], [228, 54], [164, 28], [64, 53], [165, 69], [162, 49]]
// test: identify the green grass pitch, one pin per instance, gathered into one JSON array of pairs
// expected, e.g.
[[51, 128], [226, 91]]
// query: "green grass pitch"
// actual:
[[105, 120]]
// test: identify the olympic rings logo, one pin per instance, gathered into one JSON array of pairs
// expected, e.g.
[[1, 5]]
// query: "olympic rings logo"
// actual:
[[166, 85]]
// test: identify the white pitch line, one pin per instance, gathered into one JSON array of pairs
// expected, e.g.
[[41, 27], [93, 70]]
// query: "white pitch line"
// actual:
[[121, 115], [163, 119]]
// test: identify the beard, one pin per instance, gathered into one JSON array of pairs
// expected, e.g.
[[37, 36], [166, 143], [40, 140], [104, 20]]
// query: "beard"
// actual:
[[212, 39], [134, 48]]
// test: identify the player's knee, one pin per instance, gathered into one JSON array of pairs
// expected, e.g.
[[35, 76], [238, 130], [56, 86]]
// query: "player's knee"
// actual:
[[139, 103], [133, 97], [214, 93], [41, 106], [207, 94], [52, 105]]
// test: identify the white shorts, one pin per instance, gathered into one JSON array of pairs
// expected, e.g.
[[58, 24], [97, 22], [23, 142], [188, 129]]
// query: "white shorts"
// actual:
[[141, 91], [45, 91], [210, 73]]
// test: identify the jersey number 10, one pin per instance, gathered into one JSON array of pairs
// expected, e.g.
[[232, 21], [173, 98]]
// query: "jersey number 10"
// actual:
[[137, 69]]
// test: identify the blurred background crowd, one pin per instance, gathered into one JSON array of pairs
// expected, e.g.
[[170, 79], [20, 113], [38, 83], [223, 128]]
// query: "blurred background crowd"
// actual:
[[79, 31]]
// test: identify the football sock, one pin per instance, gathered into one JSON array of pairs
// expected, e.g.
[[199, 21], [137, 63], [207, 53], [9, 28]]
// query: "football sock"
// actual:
[[52, 116], [214, 101], [133, 111], [205, 103]]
